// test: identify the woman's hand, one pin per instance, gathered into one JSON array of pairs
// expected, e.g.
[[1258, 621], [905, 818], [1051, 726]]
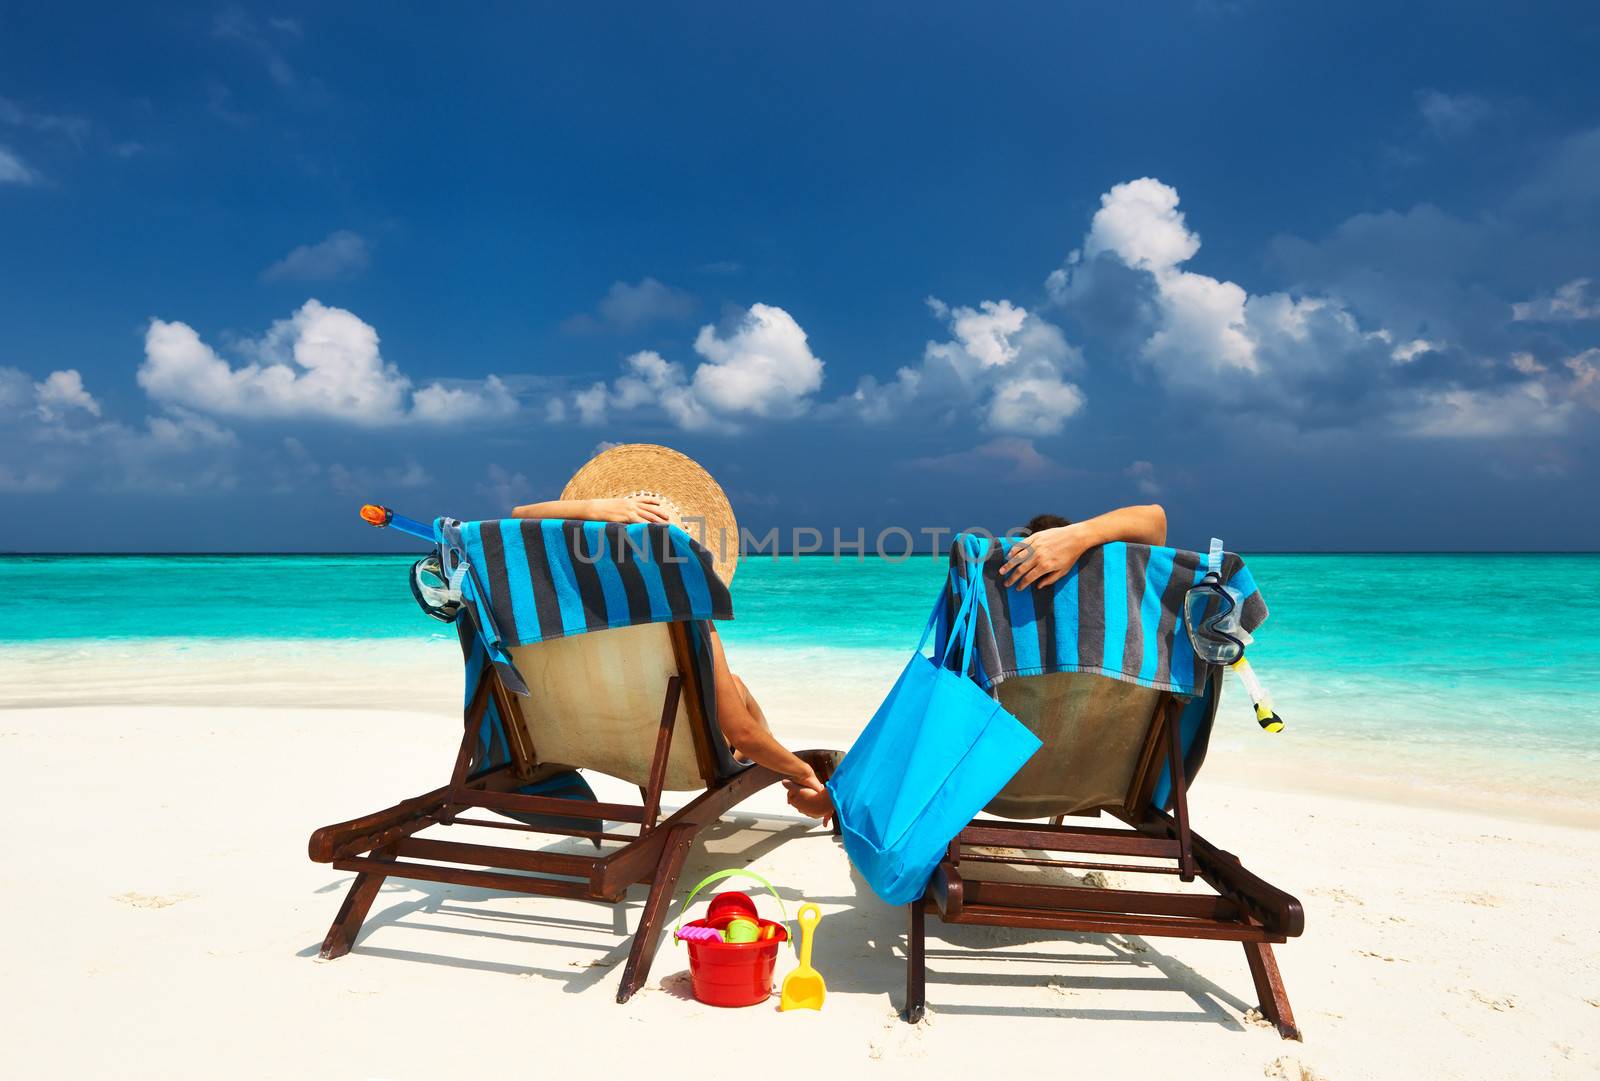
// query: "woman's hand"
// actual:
[[1042, 559], [807, 795], [630, 509]]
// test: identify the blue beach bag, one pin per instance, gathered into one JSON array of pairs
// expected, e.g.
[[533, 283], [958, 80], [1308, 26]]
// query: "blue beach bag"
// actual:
[[936, 752]]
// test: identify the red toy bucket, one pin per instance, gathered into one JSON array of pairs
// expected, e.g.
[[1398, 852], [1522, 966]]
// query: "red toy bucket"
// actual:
[[732, 973]]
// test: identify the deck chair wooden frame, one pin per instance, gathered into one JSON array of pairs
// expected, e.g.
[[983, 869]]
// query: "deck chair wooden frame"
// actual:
[[1243, 909], [384, 844]]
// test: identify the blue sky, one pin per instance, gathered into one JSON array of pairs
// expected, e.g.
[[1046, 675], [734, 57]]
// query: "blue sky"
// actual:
[[1311, 277]]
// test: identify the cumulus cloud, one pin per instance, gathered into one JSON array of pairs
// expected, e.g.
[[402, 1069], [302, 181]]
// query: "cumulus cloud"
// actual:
[[1040, 404], [320, 362], [1002, 364], [764, 366], [630, 306], [1199, 327], [760, 366], [62, 392], [457, 401], [52, 436], [1572, 301], [1306, 359], [339, 255], [1524, 409]]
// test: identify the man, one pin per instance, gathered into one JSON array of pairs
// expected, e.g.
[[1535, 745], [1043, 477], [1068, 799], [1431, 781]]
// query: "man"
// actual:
[[1051, 548]]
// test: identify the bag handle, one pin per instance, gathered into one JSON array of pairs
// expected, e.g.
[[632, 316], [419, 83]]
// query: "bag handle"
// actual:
[[962, 620], [729, 872]]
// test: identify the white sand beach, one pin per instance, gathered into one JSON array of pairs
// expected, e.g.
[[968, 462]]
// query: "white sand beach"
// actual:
[[165, 923]]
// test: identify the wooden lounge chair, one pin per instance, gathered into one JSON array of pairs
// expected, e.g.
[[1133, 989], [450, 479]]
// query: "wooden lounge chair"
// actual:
[[1120, 749], [627, 702]]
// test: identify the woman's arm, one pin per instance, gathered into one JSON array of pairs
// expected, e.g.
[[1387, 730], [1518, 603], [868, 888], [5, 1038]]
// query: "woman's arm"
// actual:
[[745, 728], [1045, 557], [629, 509]]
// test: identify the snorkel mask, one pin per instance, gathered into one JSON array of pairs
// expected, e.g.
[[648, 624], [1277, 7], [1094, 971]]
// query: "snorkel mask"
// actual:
[[1212, 614], [438, 594]]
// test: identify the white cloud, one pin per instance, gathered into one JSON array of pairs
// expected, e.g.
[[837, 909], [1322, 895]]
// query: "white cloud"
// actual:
[[1209, 337], [652, 378], [14, 171], [1002, 362], [62, 392], [1140, 222], [1038, 405], [1524, 409], [1406, 352], [1201, 321], [340, 254], [445, 404], [762, 367], [51, 436], [320, 362], [1572, 301], [1304, 360]]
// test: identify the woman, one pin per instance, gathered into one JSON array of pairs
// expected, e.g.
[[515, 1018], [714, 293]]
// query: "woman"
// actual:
[[739, 715]]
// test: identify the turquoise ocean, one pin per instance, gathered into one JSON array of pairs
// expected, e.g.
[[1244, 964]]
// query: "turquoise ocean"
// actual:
[[1423, 671]]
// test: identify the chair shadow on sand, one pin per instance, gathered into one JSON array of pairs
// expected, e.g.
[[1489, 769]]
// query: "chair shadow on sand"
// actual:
[[861, 951]]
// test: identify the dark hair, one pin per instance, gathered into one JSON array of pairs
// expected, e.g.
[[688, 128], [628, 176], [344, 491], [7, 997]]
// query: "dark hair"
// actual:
[[1045, 521]]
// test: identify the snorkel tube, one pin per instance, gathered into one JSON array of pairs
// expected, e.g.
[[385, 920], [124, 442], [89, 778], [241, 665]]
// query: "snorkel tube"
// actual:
[[382, 517], [1211, 614], [1265, 716]]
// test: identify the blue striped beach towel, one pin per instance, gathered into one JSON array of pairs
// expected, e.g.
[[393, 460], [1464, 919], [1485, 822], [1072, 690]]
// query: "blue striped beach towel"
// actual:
[[1117, 613], [550, 578], [535, 580]]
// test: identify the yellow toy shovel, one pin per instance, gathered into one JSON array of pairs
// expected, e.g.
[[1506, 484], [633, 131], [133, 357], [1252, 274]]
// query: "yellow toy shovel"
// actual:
[[803, 988]]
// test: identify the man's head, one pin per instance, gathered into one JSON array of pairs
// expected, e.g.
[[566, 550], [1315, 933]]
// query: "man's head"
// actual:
[[1044, 521]]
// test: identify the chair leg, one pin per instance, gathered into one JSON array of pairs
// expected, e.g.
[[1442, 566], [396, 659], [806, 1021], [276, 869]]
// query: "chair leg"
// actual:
[[916, 963], [1269, 988], [652, 919], [347, 924]]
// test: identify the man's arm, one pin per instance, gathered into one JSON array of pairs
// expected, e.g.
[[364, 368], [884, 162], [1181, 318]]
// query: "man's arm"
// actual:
[[1045, 557]]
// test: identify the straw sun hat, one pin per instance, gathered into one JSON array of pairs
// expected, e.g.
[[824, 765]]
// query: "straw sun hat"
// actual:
[[692, 498]]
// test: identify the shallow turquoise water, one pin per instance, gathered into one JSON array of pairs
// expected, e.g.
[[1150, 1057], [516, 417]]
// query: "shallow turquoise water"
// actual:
[[1485, 651]]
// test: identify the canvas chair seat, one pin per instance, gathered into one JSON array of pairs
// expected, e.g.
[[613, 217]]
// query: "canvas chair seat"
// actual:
[[594, 703], [1094, 734]]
